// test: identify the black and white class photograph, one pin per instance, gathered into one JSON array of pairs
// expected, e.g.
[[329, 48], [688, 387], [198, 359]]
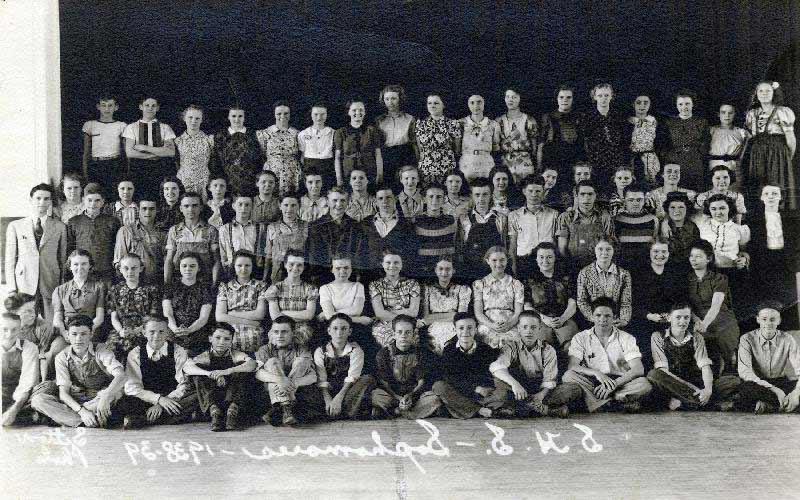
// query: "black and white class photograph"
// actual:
[[399, 249]]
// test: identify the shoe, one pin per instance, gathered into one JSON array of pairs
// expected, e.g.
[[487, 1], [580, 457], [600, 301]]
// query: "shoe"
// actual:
[[232, 420], [133, 422], [288, 418], [726, 406], [558, 411], [764, 407], [674, 404], [632, 406], [485, 412], [504, 413], [217, 422]]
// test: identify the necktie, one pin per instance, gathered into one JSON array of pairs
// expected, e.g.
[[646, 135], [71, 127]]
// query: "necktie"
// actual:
[[38, 231]]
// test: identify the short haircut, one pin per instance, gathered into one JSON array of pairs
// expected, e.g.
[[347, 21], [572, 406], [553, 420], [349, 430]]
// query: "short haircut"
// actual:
[[604, 302], [383, 187], [536, 180], [190, 255], [146, 97], [544, 245], [705, 247], [599, 86], [79, 321], [279, 103], [93, 188], [225, 327], [291, 194], [132, 256], [530, 314], [679, 304], [105, 97], [293, 253], [354, 100], [15, 300], [269, 173], [460, 316], [343, 317], [390, 251], [565, 87], [720, 197], [284, 320], [769, 304], [408, 168], [435, 185], [43, 187], [403, 318], [189, 194], [480, 182], [342, 256], [153, 318], [635, 187], [194, 107], [244, 253], [339, 190], [319, 104], [586, 183], [80, 252], [579, 164]]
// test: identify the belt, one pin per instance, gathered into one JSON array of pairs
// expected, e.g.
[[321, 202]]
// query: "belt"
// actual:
[[104, 158], [478, 152], [723, 157]]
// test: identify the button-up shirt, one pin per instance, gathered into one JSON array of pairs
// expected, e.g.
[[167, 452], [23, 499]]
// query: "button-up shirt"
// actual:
[[316, 143], [235, 236], [351, 350], [266, 211], [500, 222], [360, 208], [241, 297], [411, 205], [97, 236], [27, 355], [203, 238], [660, 358], [761, 358], [133, 383], [67, 363], [395, 128], [384, 225], [536, 361], [612, 359], [614, 283], [312, 210], [532, 227], [146, 242]]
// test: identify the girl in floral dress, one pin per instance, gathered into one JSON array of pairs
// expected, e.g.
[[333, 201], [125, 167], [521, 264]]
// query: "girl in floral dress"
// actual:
[[774, 143], [193, 150], [129, 302], [647, 134], [498, 301], [437, 142], [518, 136], [441, 301], [281, 150]]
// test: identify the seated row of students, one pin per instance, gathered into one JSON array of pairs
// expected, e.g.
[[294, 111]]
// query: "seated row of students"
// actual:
[[161, 384]]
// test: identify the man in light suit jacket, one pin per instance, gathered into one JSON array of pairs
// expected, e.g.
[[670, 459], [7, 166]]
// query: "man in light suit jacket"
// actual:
[[36, 251]]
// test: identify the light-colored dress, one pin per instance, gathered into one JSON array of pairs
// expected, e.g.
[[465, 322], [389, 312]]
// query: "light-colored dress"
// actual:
[[725, 149], [282, 155], [500, 297], [478, 141], [194, 153], [455, 298]]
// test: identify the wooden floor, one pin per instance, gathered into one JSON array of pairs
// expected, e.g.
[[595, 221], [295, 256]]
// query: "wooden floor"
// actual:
[[677, 455]]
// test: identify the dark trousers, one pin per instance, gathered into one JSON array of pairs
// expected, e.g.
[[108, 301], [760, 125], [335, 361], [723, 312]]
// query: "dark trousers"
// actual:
[[210, 394], [147, 175], [308, 405], [750, 393], [563, 394], [107, 173], [668, 385], [460, 404], [130, 405]]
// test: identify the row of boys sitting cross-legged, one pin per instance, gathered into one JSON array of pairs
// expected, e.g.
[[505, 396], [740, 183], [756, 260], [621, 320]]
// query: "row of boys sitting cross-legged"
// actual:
[[285, 384]]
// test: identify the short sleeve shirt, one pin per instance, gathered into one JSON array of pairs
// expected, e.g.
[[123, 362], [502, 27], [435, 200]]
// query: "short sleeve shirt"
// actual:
[[612, 359]]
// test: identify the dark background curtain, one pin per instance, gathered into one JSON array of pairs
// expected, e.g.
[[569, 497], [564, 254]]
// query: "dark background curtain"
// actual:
[[214, 53]]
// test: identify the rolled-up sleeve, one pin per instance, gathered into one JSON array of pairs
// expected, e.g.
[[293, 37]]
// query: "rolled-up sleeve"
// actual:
[[63, 378], [109, 362], [503, 361], [356, 364], [549, 368], [319, 364], [657, 350], [29, 376], [700, 352]]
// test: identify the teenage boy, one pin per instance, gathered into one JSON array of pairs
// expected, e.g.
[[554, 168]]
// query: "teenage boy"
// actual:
[[19, 360], [479, 230], [435, 234], [239, 234], [410, 199], [404, 371], [192, 235], [287, 371], [333, 234], [156, 389], [89, 381], [466, 386], [580, 226], [528, 368], [636, 229], [530, 225], [606, 363], [95, 232], [388, 228], [36, 251], [682, 370], [144, 239], [220, 376], [102, 145], [150, 147], [765, 356]]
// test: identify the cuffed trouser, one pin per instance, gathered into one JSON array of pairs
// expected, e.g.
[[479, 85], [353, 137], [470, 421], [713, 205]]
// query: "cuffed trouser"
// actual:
[[210, 394], [460, 405], [750, 393], [635, 388], [426, 405], [45, 400], [563, 394], [130, 405], [354, 402], [673, 386]]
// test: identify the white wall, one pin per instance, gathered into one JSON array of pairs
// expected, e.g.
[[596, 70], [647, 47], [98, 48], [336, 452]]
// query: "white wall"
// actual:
[[30, 100]]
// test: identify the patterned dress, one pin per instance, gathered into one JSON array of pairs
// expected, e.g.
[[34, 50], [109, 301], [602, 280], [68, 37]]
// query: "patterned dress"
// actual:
[[238, 156], [294, 297], [500, 297], [243, 297], [394, 298], [131, 306], [643, 138], [435, 138], [518, 142], [194, 154], [282, 156], [454, 298], [605, 146]]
